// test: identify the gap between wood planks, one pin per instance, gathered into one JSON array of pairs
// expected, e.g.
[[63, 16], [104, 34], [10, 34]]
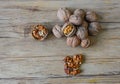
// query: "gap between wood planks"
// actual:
[[56, 76]]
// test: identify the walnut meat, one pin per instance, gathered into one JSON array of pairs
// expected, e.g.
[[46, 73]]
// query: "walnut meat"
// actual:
[[72, 64], [79, 12], [91, 16], [94, 28], [39, 32], [78, 59], [68, 29], [85, 43], [76, 20], [73, 41], [57, 31], [63, 14], [82, 33]]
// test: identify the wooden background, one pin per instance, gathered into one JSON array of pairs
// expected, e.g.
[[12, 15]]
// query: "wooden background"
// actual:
[[24, 60]]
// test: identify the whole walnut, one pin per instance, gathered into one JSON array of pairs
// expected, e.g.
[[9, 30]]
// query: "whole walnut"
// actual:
[[63, 14], [76, 20], [73, 41], [85, 24], [57, 31], [68, 29], [82, 33], [91, 16], [85, 43], [94, 28], [79, 12]]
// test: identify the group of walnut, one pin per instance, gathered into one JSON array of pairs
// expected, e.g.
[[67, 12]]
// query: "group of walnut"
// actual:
[[77, 27]]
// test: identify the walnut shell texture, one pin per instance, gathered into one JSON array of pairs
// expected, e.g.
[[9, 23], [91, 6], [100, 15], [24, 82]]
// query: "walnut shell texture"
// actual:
[[76, 20], [57, 31], [63, 14], [82, 33], [79, 12], [73, 41], [91, 16], [94, 28], [85, 43]]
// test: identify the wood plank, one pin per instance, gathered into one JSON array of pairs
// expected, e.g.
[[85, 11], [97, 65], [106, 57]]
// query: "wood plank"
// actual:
[[17, 44], [20, 12], [45, 67], [50, 70], [70, 80]]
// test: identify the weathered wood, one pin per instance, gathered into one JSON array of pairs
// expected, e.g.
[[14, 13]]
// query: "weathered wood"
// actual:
[[43, 11], [24, 60]]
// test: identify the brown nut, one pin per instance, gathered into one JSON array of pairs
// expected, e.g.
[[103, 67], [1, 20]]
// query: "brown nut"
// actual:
[[68, 29], [94, 28], [73, 67], [79, 12], [85, 25], [76, 20], [57, 31], [68, 59], [91, 16], [78, 59], [75, 72], [73, 41], [82, 33], [39, 32], [63, 14], [85, 43]]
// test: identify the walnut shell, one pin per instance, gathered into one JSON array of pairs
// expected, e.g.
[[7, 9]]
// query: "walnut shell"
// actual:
[[91, 16], [79, 12], [73, 41], [39, 32], [76, 20], [85, 43], [68, 29], [82, 33], [57, 31], [63, 14], [85, 24], [94, 28]]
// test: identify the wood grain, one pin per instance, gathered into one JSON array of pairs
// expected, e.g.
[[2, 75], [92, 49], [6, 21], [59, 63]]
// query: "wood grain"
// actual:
[[24, 60]]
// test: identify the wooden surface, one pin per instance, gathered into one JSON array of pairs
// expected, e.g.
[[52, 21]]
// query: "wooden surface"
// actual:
[[24, 60]]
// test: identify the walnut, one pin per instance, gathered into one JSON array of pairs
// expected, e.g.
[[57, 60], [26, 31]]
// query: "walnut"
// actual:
[[80, 12], [63, 14], [85, 43], [85, 25], [57, 31], [94, 28], [76, 20], [73, 41], [72, 64], [82, 33], [39, 32], [68, 29], [91, 16]]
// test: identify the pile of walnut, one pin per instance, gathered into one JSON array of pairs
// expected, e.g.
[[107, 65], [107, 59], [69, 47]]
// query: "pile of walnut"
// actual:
[[72, 64], [78, 26]]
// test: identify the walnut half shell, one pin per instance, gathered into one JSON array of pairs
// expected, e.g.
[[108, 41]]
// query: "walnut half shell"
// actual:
[[68, 29], [39, 32]]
